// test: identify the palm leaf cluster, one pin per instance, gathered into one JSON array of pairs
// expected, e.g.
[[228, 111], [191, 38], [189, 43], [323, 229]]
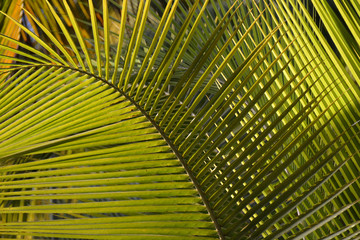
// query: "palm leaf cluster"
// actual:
[[179, 119]]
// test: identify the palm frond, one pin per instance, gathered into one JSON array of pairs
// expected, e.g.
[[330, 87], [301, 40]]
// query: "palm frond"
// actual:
[[9, 28], [180, 119]]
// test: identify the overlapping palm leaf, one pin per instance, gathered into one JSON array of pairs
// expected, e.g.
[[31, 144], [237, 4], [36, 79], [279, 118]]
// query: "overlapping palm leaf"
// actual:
[[9, 28], [184, 119]]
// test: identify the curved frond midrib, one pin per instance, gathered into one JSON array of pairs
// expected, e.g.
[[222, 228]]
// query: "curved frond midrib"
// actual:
[[164, 136]]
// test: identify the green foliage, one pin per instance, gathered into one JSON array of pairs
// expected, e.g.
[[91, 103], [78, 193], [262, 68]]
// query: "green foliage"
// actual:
[[180, 119]]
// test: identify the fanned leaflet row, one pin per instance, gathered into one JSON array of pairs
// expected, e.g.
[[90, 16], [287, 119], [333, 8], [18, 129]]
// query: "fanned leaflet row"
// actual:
[[190, 119], [110, 165]]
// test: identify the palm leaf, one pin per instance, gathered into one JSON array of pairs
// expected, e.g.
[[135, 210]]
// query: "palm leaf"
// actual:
[[193, 119], [9, 28]]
